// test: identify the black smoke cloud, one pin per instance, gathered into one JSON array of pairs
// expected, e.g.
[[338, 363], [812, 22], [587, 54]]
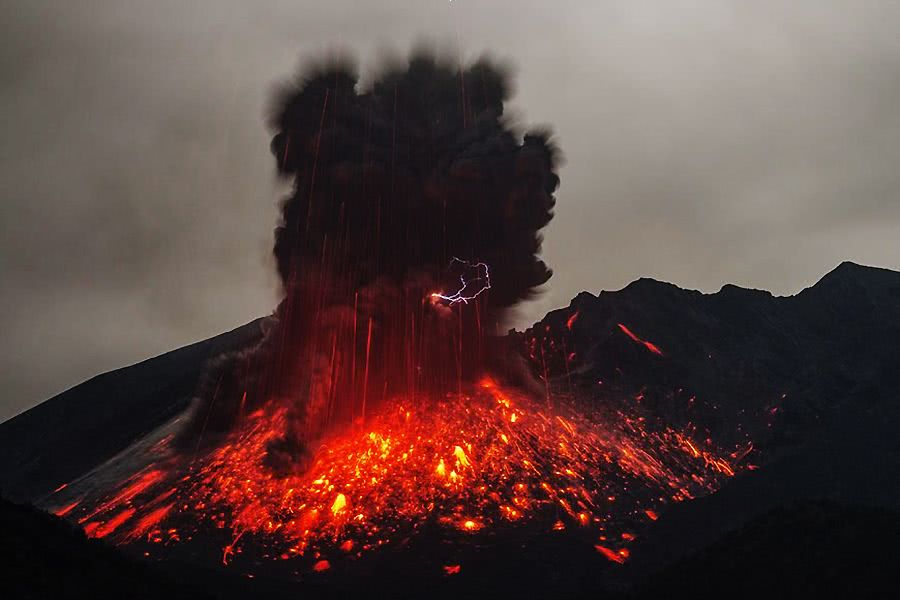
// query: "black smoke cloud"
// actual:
[[405, 175], [391, 183]]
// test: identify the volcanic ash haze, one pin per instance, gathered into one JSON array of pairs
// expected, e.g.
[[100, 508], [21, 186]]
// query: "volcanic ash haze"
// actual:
[[405, 192]]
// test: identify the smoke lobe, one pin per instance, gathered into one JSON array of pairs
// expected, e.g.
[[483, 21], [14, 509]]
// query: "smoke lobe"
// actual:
[[419, 168], [395, 186]]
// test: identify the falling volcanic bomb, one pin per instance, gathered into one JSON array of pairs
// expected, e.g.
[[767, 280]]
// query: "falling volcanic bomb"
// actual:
[[369, 412]]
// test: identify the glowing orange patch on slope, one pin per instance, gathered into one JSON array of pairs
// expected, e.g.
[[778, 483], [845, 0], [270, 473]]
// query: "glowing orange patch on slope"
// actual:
[[618, 557], [64, 510], [649, 345], [110, 526], [322, 565]]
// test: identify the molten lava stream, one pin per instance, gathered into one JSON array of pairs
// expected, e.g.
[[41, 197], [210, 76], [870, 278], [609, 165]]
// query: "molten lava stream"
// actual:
[[494, 460]]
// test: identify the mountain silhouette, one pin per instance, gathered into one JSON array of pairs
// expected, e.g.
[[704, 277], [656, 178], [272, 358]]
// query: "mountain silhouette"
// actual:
[[804, 387]]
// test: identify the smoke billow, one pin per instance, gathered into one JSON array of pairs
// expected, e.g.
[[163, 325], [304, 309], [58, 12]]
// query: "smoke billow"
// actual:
[[398, 188]]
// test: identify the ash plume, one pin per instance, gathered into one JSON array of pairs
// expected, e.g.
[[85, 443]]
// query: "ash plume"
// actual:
[[399, 187]]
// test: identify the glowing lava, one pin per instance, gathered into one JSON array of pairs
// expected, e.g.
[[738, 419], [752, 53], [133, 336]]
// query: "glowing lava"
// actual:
[[492, 460], [649, 345]]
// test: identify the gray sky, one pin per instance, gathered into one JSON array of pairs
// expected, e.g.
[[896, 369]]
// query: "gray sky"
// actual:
[[707, 142]]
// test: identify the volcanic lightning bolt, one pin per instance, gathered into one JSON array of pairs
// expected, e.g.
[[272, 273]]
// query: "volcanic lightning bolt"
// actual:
[[470, 288]]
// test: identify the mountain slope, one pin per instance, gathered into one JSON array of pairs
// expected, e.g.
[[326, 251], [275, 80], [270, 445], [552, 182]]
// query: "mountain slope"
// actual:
[[64, 437], [810, 380], [740, 363]]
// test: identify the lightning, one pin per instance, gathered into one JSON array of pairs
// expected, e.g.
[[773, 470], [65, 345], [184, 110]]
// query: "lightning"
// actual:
[[471, 288]]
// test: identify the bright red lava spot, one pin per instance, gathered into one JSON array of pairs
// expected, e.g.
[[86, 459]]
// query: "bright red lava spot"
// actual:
[[651, 514], [452, 569], [485, 461], [618, 557], [649, 345], [114, 523], [571, 320], [322, 565], [470, 526], [146, 523], [64, 510]]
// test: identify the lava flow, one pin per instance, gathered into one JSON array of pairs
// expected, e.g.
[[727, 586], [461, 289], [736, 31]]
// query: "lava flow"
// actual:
[[463, 466]]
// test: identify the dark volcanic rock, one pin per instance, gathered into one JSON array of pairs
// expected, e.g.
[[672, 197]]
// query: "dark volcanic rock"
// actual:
[[742, 364], [46, 557], [804, 550], [809, 379]]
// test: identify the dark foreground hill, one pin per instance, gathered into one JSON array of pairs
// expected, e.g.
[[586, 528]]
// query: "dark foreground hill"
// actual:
[[803, 550], [46, 557], [807, 383], [806, 550]]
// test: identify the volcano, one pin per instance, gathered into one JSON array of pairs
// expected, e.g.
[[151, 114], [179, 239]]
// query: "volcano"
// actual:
[[664, 419]]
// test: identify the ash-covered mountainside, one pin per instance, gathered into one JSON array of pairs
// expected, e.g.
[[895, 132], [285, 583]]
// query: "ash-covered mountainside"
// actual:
[[740, 362], [810, 381], [73, 432]]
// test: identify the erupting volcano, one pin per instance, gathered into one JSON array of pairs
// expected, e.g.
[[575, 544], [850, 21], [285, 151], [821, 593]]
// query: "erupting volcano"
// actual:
[[380, 405], [413, 226]]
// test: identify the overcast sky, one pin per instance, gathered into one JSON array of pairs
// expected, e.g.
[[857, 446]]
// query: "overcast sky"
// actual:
[[706, 142]]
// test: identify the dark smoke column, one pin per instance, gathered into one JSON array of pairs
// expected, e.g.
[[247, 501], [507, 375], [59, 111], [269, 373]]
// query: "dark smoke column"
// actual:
[[391, 184]]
